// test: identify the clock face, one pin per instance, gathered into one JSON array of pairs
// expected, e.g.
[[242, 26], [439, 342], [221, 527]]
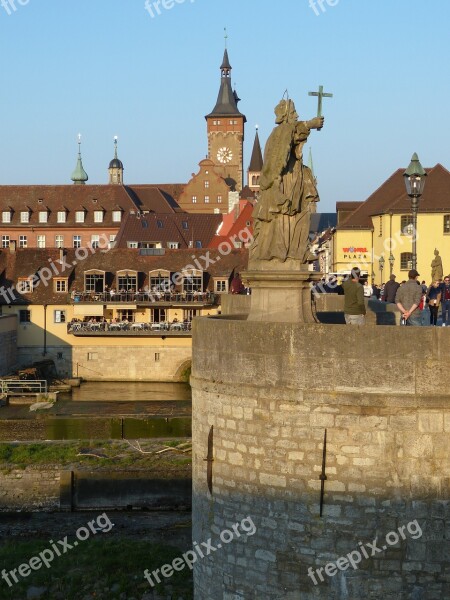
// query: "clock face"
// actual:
[[224, 155]]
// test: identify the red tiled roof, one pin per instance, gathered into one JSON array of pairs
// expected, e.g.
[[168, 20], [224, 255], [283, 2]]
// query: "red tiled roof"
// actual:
[[27, 262], [182, 228], [391, 196]]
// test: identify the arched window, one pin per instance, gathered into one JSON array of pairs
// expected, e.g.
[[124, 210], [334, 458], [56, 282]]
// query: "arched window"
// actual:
[[127, 280], [94, 281], [446, 223], [159, 280]]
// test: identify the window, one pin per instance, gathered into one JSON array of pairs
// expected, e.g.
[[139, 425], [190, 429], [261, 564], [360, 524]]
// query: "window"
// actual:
[[173, 245], [157, 356], [406, 261], [159, 224], [24, 316], [125, 314], [24, 216], [6, 216], [95, 240], [221, 286], [77, 241], [117, 216], [159, 282], [23, 241], [158, 315], [59, 241], [98, 216], [41, 241], [112, 237], [219, 198], [446, 223], [61, 216], [406, 224], [184, 224], [193, 282], [194, 199], [132, 244], [94, 282], [127, 281], [5, 241], [206, 184], [92, 356], [206, 199], [79, 216], [198, 243], [190, 313], [60, 285], [59, 316], [24, 285], [43, 216]]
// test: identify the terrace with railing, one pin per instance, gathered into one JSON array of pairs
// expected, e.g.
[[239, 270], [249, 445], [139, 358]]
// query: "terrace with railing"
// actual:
[[146, 297], [125, 328]]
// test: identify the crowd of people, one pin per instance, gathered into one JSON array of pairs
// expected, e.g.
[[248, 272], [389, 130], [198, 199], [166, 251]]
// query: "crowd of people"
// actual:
[[420, 304]]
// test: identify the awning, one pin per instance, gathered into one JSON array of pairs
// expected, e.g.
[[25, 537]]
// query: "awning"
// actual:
[[88, 310], [123, 305]]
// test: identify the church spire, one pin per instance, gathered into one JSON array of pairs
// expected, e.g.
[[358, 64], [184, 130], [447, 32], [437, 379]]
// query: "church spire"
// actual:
[[115, 168], [79, 176], [256, 164], [227, 99]]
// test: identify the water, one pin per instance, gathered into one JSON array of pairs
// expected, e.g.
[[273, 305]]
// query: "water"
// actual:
[[110, 391], [116, 410]]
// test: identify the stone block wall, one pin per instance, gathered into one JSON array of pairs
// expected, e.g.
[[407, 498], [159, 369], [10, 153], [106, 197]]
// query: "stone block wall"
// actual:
[[29, 489], [270, 391], [8, 344]]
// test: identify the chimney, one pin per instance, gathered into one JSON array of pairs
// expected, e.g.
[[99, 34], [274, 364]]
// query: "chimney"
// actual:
[[12, 246]]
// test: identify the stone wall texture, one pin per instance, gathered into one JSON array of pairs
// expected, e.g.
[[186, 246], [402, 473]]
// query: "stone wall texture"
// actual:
[[29, 489], [270, 391], [8, 344]]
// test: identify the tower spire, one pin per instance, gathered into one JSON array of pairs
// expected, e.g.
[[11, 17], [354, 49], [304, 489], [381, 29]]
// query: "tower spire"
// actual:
[[79, 176], [115, 168]]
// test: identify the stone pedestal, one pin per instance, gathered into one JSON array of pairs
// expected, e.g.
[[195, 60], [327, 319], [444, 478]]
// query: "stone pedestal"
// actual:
[[282, 296]]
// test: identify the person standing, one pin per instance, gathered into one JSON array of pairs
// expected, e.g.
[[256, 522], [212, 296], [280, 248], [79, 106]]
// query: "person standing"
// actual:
[[434, 299], [445, 298], [368, 290], [390, 290], [408, 298], [354, 306]]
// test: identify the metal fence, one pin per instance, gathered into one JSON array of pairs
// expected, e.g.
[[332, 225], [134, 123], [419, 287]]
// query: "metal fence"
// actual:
[[23, 386]]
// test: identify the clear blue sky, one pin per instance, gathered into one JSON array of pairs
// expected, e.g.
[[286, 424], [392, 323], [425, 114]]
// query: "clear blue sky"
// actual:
[[105, 67]]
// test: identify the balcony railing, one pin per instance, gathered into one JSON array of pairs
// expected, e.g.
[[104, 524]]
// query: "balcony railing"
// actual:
[[145, 297], [85, 327]]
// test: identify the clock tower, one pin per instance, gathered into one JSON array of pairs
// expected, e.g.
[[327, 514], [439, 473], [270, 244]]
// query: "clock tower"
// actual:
[[225, 126]]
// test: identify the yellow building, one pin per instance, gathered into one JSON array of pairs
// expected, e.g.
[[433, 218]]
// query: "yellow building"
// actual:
[[119, 314], [381, 227]]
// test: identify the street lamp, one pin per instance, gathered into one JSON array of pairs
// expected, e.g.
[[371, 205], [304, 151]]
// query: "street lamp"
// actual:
[[391, 260], [381, 261], [415, 182]]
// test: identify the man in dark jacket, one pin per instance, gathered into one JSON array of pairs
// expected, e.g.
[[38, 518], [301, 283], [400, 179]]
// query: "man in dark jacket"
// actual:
[[390, 290], [354, 306]]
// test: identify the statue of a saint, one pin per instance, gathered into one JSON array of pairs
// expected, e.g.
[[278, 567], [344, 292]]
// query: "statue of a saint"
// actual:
[[288, 191], [437, 271]]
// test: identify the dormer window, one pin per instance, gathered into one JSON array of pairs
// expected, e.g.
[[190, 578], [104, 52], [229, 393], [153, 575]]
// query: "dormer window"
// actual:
[[25, 285], [79, 216], [98, 216], [6, 216], [61, 216], [43, 216], [117, 216], [24, 216]]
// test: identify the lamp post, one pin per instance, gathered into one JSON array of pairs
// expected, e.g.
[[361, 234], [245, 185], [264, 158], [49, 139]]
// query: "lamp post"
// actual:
[[391, 260], [415, 182], [381, 261]]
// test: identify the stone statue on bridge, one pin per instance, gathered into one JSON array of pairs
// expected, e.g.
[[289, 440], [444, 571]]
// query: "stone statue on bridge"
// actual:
[[287, 193], [437, 271]]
